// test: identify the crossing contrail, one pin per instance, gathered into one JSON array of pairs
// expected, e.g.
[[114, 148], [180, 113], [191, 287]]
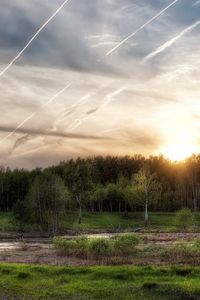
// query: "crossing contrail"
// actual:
[[34, 113], [171, 42], [140, 28], [31, 40]]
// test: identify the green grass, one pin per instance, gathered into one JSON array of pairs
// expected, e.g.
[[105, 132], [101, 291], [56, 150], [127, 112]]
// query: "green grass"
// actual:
[[109, 221], [112, 283], [7, 222], [106, 221]]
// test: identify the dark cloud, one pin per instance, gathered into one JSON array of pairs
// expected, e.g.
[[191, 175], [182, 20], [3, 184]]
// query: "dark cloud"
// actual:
[[51, 133], [20, 141], [62, 44], [92, 111], [149, 139]]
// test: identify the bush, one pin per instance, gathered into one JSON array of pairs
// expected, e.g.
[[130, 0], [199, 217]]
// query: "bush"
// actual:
[[77, 247], [97, 248], [184, 219], [100, 248], [126, 244], [180, 250]]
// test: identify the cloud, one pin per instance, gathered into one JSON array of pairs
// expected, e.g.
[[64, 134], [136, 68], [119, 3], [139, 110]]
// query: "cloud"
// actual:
[[143, 138], [34, 113], [137, 118], [33, 38], [197, 3], [20, 141], [91, 111], [51, 133], [171, 42], [85, 116], [140, 28]]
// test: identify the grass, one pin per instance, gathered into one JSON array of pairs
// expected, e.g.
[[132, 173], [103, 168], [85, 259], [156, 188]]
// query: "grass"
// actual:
[[131, 283], [97, 248], [106, 221], [7, 222], [113, 221]]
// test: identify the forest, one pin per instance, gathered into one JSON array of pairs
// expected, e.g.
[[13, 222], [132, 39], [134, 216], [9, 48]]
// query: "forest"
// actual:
[[100, 184]]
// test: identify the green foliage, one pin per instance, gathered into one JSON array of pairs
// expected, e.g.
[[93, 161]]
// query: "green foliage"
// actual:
[[179, 250], [21, 214], [126, 244], [46, 201], [97, 247], [100, 248], [146, 185], [76, 247], [184, 219], [109, 283], [8, 222]]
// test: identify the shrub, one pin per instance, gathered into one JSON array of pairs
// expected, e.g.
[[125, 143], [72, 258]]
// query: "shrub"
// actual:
[[197, 244], [153, 249], [126, 244], [100, 248], [77, 247], [180, 250], [184, 219]]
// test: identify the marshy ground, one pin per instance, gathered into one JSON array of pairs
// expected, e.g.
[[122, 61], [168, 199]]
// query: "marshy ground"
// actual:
[[150, 250]]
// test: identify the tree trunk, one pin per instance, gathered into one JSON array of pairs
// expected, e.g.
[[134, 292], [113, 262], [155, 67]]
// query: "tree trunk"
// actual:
[[125, 210], [80, 215], [146, 217], [111, 207]]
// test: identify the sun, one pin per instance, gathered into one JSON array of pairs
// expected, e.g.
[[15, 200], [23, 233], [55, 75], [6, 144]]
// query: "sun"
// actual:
[[178, 151]]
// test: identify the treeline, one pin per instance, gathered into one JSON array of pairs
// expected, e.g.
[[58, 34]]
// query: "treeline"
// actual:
[[101, 184]]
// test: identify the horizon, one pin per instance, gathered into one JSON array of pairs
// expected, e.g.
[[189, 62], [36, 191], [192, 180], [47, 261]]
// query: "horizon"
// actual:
[[88, 157], [98, 78]]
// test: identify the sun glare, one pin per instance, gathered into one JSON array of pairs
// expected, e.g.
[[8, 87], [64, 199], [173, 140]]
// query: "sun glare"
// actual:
[[178, 152]]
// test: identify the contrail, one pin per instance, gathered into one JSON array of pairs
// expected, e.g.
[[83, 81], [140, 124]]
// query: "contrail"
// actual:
[[31, 40], [170, 42], [139, 29], [83, 100], [110, 96], [34, 113], [86, 116]]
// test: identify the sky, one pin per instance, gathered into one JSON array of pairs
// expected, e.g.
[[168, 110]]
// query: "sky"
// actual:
[[103, 77]]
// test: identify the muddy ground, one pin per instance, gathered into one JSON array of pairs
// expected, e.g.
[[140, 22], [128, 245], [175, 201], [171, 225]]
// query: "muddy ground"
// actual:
[[40, 250]]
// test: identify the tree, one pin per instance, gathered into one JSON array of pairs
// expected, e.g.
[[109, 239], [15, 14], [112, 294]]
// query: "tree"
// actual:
[[122, 184], [147, 188], [46, 200], [98, 196], [184, 219], [21, 214], [81, 184]]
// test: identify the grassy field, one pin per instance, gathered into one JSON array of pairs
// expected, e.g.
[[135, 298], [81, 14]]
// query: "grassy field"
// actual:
[[106, 221], [136, 283], [112, 221]]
